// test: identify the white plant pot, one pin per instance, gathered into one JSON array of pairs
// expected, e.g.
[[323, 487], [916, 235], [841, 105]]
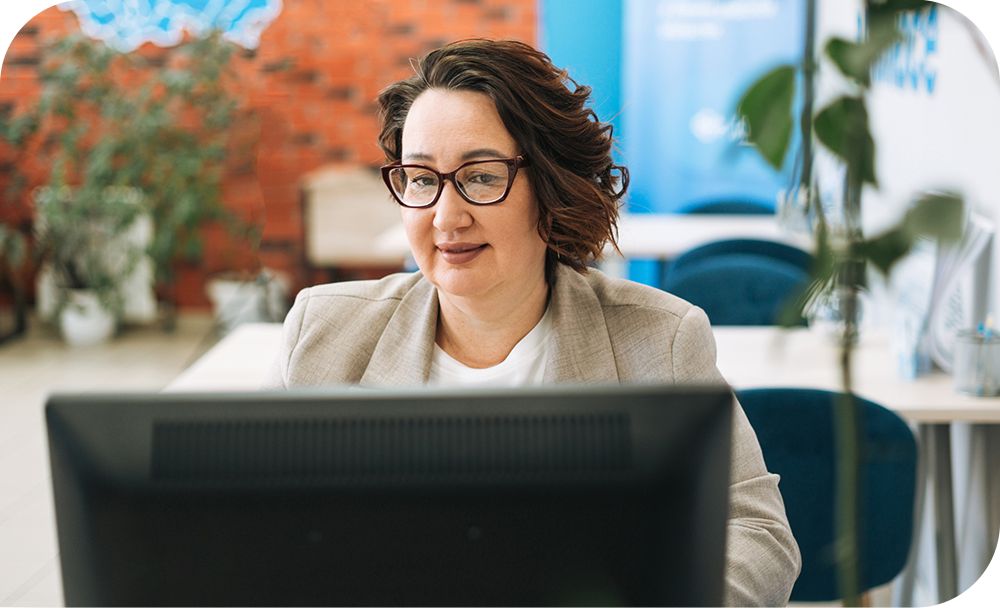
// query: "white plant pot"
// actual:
[[84, 321], [136, 287], [237, 301]]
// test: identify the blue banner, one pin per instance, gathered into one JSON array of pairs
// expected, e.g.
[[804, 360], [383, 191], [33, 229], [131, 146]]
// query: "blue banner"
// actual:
[[686, 62]]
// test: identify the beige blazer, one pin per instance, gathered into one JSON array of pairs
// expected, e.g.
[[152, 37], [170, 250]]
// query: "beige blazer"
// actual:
[[381, 333]]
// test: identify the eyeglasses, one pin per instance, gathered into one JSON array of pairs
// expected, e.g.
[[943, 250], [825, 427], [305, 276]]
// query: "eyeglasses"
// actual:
[[480, 182]]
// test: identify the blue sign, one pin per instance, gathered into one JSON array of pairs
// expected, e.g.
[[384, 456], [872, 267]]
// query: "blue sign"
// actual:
[[128, 24], [911, 64], [686, 64]]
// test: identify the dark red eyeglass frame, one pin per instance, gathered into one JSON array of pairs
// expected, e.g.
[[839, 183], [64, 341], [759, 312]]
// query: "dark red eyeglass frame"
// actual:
[[513, 164]]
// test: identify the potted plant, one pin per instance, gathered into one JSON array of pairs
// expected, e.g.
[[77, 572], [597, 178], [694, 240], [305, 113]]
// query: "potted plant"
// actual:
[[82, 235], [158, 122], [249, 297], [843, 252]]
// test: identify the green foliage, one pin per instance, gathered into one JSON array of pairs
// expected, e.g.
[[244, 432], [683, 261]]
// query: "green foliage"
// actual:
[[118, 120], [934, 216], [855, 59], [842, 251], [767, 108], [12, 248], [83, 233], [13, 244], [842, 127]]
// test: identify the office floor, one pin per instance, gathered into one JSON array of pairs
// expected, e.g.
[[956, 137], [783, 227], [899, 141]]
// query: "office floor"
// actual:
[[31, 367]]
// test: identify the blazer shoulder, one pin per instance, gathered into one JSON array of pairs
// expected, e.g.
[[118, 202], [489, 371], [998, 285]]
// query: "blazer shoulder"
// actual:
[[622, 293], [654, 334], [333, 329], [391, 287], [355, 307]]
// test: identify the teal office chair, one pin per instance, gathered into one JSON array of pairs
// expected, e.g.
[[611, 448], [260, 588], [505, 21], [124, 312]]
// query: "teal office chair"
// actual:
[[795, 430], [733, 206], [739, 288], [769, 249], [653, 272]]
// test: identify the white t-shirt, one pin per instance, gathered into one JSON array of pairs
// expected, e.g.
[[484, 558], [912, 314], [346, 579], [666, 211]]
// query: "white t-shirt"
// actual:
[[524, 365]]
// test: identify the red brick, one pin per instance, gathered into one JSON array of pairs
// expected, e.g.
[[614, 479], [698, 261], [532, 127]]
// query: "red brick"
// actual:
[[334, 45]]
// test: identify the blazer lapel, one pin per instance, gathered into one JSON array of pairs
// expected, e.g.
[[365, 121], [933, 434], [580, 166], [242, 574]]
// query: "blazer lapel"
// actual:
[[581, 349], [402, 356]]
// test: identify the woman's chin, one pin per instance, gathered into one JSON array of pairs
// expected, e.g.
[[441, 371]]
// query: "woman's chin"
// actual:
[[460, 282]]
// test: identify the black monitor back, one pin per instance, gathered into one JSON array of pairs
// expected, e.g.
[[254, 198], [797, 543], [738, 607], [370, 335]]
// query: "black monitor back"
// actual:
[[607, 495]]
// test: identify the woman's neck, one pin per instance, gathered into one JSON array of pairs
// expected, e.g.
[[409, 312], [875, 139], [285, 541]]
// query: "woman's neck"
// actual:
[[481, 333]]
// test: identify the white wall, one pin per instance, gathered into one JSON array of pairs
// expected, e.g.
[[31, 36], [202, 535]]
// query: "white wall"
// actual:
[[935, 116]]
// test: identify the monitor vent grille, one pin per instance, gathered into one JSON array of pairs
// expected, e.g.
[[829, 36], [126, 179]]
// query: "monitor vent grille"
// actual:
[[383, 448]]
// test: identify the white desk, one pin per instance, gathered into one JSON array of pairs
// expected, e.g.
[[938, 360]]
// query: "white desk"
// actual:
[[748, 357], [751, 357], [239, 362], [666, 235]]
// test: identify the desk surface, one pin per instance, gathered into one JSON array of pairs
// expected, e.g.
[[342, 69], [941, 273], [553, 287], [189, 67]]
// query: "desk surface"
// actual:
[[667, 235], [764, 356], [747, 356]]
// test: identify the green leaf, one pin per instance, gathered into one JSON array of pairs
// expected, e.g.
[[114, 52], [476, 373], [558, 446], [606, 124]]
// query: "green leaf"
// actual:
[[884, 250], [879, 8], [937, 215], [842, 127], [855, 59], [767, 109]]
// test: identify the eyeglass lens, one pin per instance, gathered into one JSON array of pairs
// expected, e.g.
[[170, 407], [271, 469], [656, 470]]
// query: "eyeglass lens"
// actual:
[[480, 182]]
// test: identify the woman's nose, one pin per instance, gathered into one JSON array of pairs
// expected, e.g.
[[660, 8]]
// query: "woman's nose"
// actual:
[[451, 212]]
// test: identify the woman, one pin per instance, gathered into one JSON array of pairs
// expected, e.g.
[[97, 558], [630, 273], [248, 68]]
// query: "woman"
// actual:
[[508, 192]]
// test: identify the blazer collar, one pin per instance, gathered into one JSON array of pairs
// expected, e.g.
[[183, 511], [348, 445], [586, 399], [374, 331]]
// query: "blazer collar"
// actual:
[[402, 356], [580, 347]]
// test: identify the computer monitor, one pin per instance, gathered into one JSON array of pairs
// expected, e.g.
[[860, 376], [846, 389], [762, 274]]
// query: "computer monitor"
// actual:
[[556, 495]]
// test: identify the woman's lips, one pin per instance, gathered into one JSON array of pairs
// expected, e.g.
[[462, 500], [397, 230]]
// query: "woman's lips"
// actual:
[[461, 254]]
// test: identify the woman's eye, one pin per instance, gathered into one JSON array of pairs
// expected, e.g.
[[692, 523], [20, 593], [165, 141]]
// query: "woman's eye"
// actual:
[[483, 178], [423, 180]]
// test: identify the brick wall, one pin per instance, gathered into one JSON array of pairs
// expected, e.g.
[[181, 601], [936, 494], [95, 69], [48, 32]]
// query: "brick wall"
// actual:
[[309, 90]]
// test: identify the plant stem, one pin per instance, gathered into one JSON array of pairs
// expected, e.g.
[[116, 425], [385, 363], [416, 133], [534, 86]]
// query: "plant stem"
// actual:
[[847, 419], [846, 424], [808, 94]]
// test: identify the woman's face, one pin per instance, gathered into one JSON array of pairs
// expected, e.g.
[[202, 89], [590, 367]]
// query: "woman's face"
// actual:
[[465, 250]]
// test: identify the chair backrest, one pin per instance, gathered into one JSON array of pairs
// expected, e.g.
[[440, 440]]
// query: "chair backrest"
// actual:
[[770, 249], [739, 289], [796, 434], [728, 207]]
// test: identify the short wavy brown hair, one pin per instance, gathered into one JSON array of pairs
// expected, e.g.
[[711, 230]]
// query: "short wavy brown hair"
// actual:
[[572, 172]]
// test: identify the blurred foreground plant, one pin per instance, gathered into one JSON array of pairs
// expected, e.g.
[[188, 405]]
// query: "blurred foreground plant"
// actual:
[[842, 251]]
